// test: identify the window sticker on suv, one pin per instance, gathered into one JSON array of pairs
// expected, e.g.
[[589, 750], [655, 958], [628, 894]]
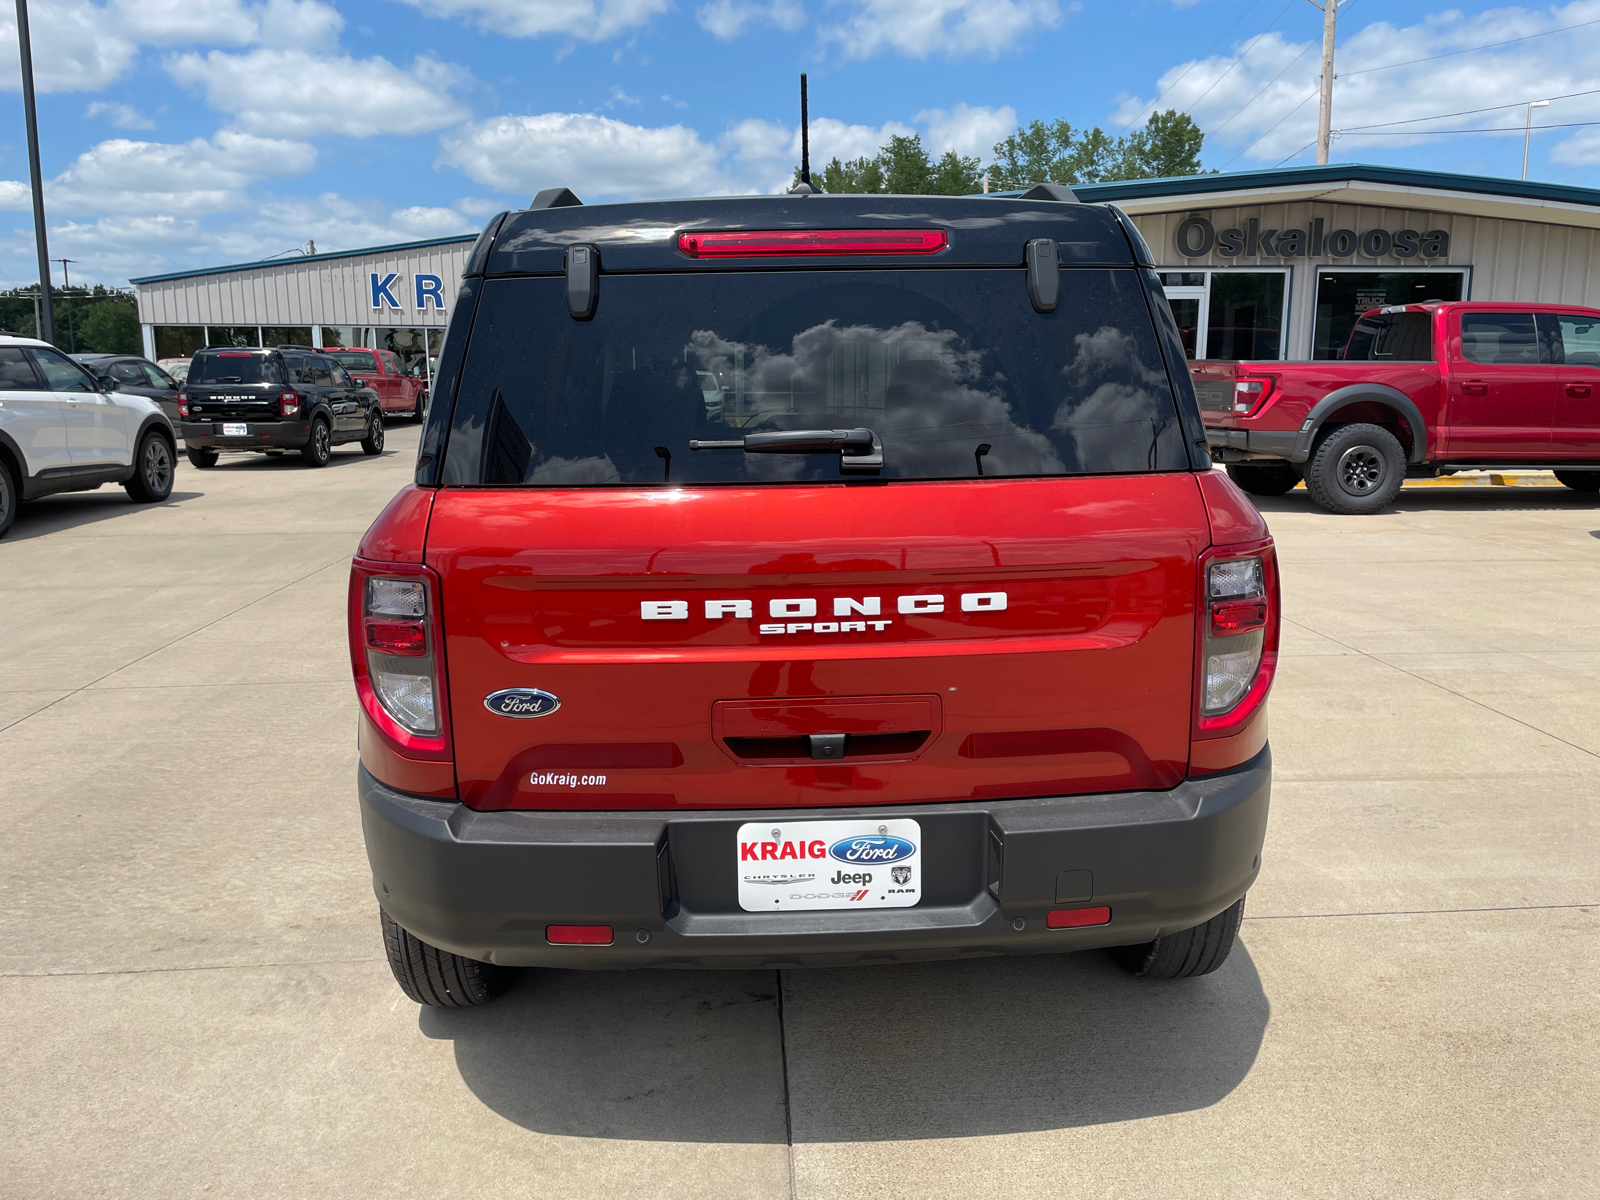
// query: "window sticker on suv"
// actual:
[[953, 372]]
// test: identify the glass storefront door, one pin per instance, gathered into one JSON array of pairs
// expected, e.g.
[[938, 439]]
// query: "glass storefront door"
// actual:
[[1342, 296], [1228, 314]]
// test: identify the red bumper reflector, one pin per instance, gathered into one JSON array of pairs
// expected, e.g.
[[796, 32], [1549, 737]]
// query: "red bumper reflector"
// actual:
[[398, 637], [749, 243], [1238, 616], [1076, 918], [578, 935]]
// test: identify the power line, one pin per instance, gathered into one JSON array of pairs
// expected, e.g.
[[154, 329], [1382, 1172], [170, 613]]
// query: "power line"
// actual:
[[1275, 125], [1195, 63], [1468, 112], [1263, 91], [1254, 42], [1470, 50], [1480, 129]]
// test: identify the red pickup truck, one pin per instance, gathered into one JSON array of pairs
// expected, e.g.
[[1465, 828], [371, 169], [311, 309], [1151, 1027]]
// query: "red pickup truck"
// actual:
[[399, 393], [1421, 390]]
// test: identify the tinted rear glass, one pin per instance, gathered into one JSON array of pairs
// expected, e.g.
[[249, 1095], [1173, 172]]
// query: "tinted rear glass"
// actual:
[[235, 368], [354, 360], [951, 369], [1392, 337]]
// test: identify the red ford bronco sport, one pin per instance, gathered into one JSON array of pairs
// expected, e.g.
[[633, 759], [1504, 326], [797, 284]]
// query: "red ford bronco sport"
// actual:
[[809, 580]]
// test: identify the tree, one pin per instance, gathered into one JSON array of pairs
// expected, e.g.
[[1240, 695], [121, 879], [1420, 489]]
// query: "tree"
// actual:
[[1169, 144], [901, 167], [110, 326]]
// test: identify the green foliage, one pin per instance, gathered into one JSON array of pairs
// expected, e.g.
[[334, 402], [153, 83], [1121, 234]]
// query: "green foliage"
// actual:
[[88, 320], [1169, 144], [109, 327], [902, 168]]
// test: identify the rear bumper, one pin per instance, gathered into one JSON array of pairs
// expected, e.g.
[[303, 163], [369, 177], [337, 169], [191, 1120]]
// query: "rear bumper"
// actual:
[[485, 884], [262, 435], [1241, 445]]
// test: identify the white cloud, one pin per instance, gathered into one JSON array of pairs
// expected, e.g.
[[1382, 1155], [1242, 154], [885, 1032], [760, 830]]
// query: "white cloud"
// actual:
[[15, 195], [1258, 101], [154, 178], [618, 96], [79, 46], [967, 129], [729, 19], [587, 20], [300, 94], [955, 28], [123, 116], [763, 154]]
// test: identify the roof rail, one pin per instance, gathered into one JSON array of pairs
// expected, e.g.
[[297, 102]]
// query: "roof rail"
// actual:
[[1050, 191], [558, 197], [291, 346]]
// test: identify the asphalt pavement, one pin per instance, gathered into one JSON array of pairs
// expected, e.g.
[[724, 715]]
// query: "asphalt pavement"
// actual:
[[197, 1004]]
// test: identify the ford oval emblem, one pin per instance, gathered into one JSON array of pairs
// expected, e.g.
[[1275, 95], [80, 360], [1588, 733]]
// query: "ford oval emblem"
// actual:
[[871, 848], [521, 702]]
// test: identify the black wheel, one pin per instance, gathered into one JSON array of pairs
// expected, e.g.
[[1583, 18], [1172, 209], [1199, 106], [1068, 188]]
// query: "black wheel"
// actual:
[[1197, 951], [1580, 481], [10, 493], [202, 458], [373, 442], [436, 977], [1264, 479], [420, 412], [1356, 469], [152, 469], [316, 451]]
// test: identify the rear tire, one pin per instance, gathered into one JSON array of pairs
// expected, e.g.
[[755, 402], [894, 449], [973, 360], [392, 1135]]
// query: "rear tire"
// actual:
[[373, 442], [419, 414], [152, 470], [1264, 479], [1183, 955], [320, 445], [1356, 469], [201, 458], [436, 977], [1580, 481], [10, 494]]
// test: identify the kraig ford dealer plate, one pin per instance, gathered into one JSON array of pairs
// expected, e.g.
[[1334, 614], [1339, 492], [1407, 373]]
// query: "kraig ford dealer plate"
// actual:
[[829, 864]]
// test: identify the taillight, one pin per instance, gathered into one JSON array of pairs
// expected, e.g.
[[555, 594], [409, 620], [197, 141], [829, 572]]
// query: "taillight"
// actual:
[[1248, 394], [396, 652], [288, 403], [1238, 635], [750, 243], [183, 404]]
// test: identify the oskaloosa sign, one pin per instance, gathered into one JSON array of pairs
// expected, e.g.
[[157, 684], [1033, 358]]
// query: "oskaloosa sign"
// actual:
[[1198, 237]]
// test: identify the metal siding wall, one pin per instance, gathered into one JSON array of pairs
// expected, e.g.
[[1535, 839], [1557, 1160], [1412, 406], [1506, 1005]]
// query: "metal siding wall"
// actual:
[[1509, 260]]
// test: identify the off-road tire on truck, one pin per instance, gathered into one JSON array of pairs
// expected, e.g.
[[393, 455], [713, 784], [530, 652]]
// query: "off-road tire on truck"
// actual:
[[1264, 479], [152, 470], [436, 977], [1356, 469], [202, 458], [319, 447], [1580, 481], [1197, 951]]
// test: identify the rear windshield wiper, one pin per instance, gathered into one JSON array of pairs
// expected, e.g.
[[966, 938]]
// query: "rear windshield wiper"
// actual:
[[860, 450]]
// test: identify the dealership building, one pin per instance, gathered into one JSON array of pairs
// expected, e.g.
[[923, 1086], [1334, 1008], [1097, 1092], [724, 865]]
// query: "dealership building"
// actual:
[[1260, 264]]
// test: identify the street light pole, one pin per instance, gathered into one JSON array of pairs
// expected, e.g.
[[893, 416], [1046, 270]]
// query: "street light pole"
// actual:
[[1527, 132], [46, 326]]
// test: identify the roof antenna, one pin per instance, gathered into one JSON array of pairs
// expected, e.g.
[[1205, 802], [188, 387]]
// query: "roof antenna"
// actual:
[[804, 188]]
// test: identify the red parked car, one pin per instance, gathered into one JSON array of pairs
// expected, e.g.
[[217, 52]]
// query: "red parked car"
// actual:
[[1422, 390], [381, 370], [808, 580]]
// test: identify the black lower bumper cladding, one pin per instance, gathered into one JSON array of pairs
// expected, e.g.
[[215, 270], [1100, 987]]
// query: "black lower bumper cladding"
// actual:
[[486, 884], [259, 435]]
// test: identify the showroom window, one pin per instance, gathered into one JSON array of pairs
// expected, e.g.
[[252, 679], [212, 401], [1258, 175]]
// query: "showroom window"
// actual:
[[286, 335], [1343, 295], [179, 341], [1229, 314], [233, 335]]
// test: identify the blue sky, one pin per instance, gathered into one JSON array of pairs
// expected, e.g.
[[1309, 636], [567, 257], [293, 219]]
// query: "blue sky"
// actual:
[[183, 133]]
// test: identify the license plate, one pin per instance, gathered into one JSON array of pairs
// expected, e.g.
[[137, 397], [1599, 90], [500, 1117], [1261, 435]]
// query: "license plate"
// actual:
[[236, 431], [829, 864]]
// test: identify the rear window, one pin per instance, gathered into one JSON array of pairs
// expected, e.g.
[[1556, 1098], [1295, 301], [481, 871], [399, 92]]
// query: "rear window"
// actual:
[[242, 367], [1392, 337], [354, 360], [952, 369]]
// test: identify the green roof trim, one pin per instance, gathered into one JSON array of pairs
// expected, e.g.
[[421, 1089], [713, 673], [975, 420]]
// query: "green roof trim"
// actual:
[[305, 258], [1193, 185]]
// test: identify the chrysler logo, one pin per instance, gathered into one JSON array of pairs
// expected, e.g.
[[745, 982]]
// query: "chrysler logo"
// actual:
[[521, 702]]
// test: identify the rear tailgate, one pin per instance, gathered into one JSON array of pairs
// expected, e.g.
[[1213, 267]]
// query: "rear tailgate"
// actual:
[[1003, 638]]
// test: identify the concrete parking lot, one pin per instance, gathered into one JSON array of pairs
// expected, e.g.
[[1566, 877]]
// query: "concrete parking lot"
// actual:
[[196, 1002]]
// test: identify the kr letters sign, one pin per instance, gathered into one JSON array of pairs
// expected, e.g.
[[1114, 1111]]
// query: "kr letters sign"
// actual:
[[1198, 237], [387, 289]]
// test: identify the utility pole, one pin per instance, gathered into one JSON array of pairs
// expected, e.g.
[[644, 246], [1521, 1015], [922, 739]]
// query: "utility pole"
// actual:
[[66, 298], [45, 327], [1330, 17]]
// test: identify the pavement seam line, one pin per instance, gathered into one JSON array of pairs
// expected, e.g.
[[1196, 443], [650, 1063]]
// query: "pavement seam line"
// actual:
[[250, 966], [1423, 912], [1555, 737], [174, 642], [788, 1117]]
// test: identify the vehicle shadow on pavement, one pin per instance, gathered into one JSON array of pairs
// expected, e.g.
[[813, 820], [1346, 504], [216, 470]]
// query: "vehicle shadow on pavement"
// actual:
[[953, 1049], [70, 510], [1463, 500]]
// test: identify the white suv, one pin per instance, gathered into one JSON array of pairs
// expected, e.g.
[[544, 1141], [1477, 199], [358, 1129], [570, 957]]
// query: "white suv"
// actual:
[[61, 430]]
